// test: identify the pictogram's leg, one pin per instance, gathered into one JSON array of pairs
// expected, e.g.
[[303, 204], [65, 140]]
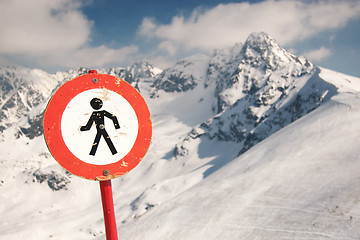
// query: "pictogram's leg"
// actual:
[[109, 142], [95, 144]]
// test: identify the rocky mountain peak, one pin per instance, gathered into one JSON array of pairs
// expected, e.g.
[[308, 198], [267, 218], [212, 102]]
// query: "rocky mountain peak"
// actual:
[[263, 52], [260, 41], [185, 75], [244, 69], [259, 91], [143, 69], [132, 74], [23, 90]]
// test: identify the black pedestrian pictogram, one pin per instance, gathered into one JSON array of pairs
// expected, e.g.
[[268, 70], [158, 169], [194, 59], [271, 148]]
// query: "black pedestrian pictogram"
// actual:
[[98, 118]]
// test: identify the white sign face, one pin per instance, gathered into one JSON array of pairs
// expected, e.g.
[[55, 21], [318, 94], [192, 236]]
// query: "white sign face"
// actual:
[[99, 126]]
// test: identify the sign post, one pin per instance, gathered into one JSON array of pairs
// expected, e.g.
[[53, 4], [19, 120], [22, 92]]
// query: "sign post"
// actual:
[[98, 127], [108, 209]]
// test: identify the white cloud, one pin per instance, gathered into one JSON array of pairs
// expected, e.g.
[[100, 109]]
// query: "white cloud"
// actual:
[[317, 55], [56, 34], [147, 27], [89, 57], [52, 33], [168, 47], [41, 26], [226, 24]]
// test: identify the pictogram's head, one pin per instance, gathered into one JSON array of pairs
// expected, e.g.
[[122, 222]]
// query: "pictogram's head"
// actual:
[[96, 103]]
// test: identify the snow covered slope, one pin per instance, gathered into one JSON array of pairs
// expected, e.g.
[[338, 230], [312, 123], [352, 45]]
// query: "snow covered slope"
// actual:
[[252, 142], [299, 183]]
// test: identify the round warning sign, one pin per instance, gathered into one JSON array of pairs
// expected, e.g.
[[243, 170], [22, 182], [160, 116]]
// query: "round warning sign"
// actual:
[[97, 126]]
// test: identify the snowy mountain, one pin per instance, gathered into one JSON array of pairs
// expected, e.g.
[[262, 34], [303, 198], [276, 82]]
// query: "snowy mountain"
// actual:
[[268, 89], [251, 142]]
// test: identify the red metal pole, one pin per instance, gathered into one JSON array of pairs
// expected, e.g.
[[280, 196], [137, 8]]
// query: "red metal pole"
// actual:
[[108, 208]]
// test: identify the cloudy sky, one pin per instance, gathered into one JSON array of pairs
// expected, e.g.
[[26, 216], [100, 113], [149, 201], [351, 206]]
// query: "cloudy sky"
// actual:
[[57, 35]]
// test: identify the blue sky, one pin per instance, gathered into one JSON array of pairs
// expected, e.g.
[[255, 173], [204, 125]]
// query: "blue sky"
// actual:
[[57, 35]]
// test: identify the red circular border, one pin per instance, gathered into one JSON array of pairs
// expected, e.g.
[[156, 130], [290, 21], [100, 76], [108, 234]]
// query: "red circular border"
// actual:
[[55, 141]]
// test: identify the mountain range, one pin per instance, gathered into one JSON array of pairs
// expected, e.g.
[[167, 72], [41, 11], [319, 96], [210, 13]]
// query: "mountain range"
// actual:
[[251, 142]]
